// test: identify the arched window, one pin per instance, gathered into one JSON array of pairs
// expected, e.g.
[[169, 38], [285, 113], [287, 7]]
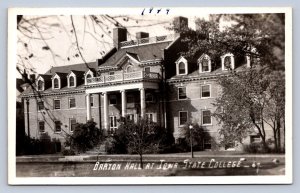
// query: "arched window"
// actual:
[[40, 85], [227, 62], [88, 76], [129, 68], [71, 81], [55, 82], [181, 68]]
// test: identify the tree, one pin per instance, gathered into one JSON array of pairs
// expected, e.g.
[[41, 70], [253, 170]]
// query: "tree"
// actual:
[[252, 98], [85, 136], [143, 136]]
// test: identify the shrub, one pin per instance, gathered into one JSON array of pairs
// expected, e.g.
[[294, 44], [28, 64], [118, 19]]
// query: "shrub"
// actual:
[[68, 152], [85, 137], [256, 148]]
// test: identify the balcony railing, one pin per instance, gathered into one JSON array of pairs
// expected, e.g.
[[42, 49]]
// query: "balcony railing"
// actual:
[[149, 40], [123, 77]]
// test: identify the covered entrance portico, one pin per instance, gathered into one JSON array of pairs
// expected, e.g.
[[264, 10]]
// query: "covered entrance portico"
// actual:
[[141, 87]]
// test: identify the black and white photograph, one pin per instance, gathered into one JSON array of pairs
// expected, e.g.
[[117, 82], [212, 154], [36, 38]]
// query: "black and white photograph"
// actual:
[[150, 95]]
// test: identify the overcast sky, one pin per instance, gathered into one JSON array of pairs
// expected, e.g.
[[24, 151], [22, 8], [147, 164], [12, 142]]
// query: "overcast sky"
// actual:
[[94, 40]]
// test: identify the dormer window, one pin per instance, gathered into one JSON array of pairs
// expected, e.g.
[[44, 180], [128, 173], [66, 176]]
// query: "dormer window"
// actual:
[[40, 85], [227, 62], [89, 74], [204, 63], [129, 68], [71, 81], [181, 66], [55, 83]]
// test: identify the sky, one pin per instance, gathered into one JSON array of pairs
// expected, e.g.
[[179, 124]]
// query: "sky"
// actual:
[[37, 33]]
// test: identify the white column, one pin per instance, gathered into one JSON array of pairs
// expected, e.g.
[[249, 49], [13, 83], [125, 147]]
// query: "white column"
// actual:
[[124, 102], [88, 107], [105, 117], [143, 102]]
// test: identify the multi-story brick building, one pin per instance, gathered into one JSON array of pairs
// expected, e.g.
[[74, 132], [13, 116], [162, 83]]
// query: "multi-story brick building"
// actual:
[[146, 77]]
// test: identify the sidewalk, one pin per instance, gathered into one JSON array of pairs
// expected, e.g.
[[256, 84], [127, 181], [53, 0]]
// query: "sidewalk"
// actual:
[[124, 157]]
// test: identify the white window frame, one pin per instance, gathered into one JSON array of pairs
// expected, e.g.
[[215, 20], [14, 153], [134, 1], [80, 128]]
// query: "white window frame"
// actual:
[[59, 81], [201, 89], [129, 66], [115, 124], [148, 115], [75, 80], [178, 88], [54, 104], [43, 126], [205, 141], [70, 124], [223, 61], [183, 60], [204, 56], [203, 119], [70, 103], [89, 72], [187, 118]]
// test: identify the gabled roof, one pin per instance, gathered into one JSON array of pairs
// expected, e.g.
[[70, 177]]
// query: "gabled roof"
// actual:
[[68, 68], [60, 74], [77, 73], [141, 53]]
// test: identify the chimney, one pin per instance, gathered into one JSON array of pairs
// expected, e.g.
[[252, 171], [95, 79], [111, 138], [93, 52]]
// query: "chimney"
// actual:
[[119, 35], [140, 35], [180, 23]]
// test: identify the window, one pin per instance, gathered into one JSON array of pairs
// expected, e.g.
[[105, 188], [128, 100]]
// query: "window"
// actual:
[[181, 68], [72, 103], [111, 73], [181, 93], [129, 68], [72, 124], [147, 70], [88, 76], [41, 105], [130, 101], [57, 126], [150, 117], [206, 117], [183, 117], [205, 65], [112, 99], [56, 83], [130, 117], [227, 62], [205, 91], [40, 85], [149, 97], [56, 103], [113, 123], [92, 101], [71, 81], [41, 126], [207, 143]]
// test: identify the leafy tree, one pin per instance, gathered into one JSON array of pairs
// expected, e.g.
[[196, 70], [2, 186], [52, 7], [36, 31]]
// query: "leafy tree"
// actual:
[[253, 98], [85, 136], [250, 99]]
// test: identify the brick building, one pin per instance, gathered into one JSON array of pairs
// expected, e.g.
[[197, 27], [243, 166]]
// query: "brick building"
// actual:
[[146, 77]]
